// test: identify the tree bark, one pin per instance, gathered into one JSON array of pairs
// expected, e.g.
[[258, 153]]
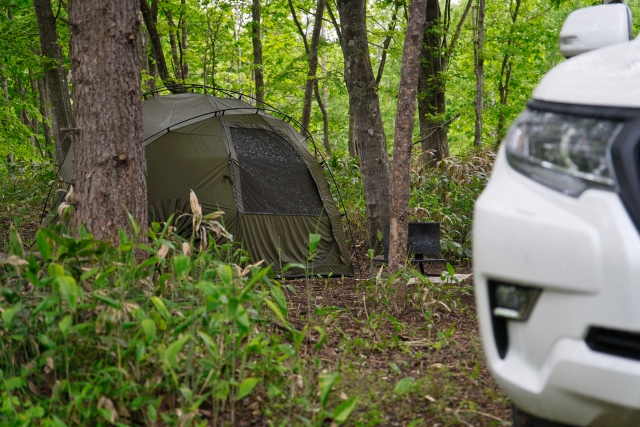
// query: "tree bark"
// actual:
[[55, 78], [402, 143], [505, 75], [368, 130], [177, 66], [45, 112], [313, 65], [109, 157], [257, 51], [149, 15], [431, 89], [184, 55], [478, 52]]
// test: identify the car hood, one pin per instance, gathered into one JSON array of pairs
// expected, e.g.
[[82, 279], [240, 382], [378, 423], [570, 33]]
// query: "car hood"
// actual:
[[609, 77]]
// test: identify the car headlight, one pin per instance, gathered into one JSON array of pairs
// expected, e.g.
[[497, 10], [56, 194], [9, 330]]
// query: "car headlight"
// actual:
[[564, 152]]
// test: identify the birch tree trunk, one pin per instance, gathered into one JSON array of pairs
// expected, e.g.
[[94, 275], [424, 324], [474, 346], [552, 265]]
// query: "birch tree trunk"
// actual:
[[257, 51], [368, 130], [55, 78], [109, 157], [405, 117], [478, 52]]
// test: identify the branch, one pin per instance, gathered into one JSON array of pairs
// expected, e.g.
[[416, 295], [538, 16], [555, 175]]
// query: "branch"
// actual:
[[435, 128], [295, 19], [387, 42], [456, 35], [336, 26]]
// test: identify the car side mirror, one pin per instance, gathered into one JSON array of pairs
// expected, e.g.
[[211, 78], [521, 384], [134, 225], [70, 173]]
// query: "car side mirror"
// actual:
[[595, 27]]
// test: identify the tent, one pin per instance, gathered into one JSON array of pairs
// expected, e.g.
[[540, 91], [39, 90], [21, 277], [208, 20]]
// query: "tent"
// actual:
[[251, 165]]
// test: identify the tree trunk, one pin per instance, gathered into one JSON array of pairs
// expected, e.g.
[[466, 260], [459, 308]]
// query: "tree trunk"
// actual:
[[45, 112], [478, 53], [257, 52], [144, 59], [402, 144], [505, 76], [313, 65], [368, 130], [177, 67], [149, 15], [5, 82], [431, 90], [109, 157], [55, 78], [184, 56]]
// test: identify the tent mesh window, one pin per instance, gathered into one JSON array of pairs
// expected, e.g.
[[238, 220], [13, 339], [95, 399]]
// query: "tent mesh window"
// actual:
[[274, 178]]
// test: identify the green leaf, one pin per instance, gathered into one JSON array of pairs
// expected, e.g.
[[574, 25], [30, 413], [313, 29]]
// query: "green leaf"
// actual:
[[162, 309], [276, 311], [8, 315], [13, 383], [221, 390], [149, 261], [15, 242], [379, 234], [149, 328], [225, 273], [246, 387], [325, 382], [68, 290], [181, 266], [89, 274], [314, 241], [65, 325], [172, 351], [43, 245], [278, 296], [291, 265], [450, 269], [140, 349], [46, 341], [403, 386], [242, 319], [322, 339], [109, 301], [343, 410], [134, 224], [48, 302]]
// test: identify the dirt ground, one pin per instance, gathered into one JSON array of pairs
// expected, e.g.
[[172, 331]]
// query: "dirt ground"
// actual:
[[435, 342]]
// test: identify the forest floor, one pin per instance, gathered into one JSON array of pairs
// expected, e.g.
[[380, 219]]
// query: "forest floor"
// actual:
[[408, 369]]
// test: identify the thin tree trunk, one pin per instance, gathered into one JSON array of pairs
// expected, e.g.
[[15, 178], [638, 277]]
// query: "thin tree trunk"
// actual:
[[405, 118], [148, 14], [431, 89], [478, 52], [177, 68], [257, 51], [5, 82], [313, 65], [368, 130], [184, 58], [213, 37], [505, 76], [55, 78], [109, 157], [386, 43], [144, 59], [45, 112]]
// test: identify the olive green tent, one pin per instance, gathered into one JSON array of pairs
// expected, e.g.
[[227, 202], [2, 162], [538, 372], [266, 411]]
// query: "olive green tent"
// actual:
[[254, 167]]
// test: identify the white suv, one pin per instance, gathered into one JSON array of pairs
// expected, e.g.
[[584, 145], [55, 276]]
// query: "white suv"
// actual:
[[557, 236]]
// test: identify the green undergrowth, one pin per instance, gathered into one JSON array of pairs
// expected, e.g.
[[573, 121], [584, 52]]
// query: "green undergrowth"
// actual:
[[24, 186], [445, 193], [149, 334]]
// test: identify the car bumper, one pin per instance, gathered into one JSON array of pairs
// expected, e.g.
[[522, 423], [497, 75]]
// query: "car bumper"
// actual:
[[583, 253]]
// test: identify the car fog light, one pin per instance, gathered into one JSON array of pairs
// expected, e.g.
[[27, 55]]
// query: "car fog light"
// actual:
[[514, 302]]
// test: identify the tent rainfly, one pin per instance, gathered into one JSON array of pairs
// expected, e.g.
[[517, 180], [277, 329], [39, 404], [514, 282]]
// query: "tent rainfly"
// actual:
[[254, 167]]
